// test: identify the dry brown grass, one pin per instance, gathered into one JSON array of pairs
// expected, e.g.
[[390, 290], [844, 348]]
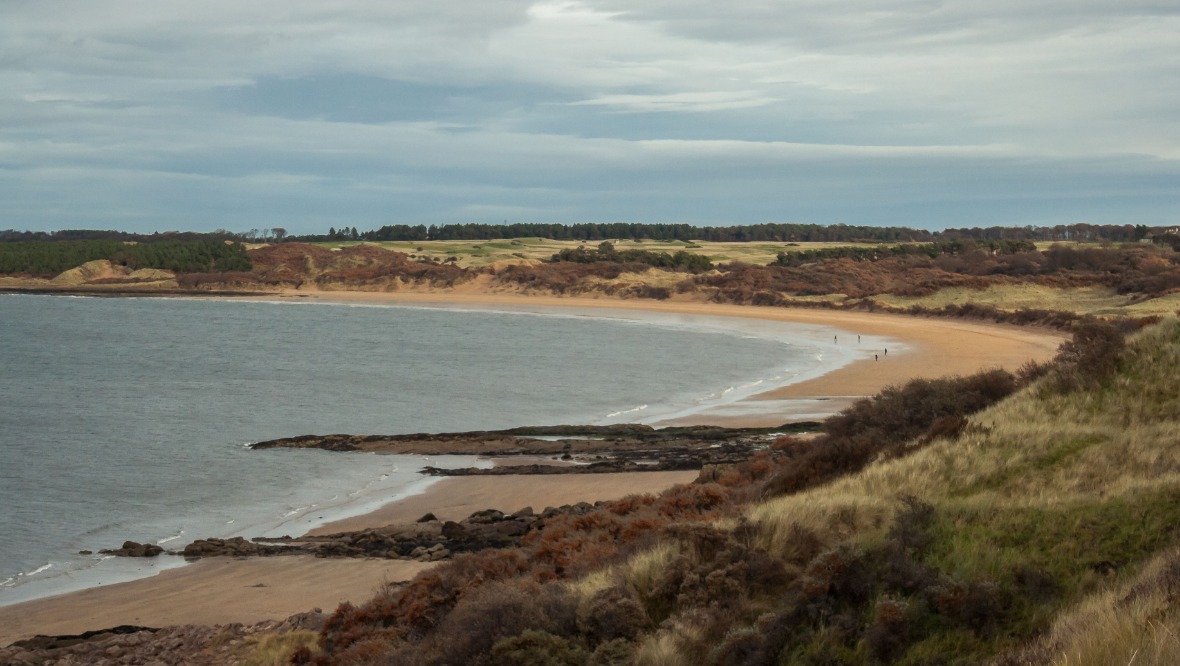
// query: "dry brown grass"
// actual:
[[276, 649], [1042, 465], [1135, 623], [527, 250], [1099, 301]]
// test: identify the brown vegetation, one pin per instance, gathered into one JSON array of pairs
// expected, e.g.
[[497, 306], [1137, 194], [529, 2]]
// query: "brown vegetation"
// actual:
[[705, 573]]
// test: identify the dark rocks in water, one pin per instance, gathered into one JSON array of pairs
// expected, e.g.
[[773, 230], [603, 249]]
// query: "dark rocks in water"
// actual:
[[567, 440], [601, 449], [425, 540], [235, 547], [598, 449], [135, 549]]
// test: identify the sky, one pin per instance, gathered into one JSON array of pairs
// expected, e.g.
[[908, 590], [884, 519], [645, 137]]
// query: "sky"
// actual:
[[157, 115]]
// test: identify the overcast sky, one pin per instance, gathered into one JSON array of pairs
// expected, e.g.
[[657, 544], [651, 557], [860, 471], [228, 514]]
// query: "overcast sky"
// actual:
[[154, 115]]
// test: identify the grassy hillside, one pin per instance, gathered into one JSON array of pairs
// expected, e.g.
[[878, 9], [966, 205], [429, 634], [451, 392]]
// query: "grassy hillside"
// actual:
[[1127, 281], [1040, 529], [484, 253]]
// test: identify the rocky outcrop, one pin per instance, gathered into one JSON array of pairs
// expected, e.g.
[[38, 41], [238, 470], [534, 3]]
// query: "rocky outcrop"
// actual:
[[429, 539], [576, 449], [192, 645], [134, 549], [234, 547]]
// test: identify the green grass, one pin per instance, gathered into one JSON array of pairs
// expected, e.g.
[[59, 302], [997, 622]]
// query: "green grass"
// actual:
[[484, 253], [1055, 499]]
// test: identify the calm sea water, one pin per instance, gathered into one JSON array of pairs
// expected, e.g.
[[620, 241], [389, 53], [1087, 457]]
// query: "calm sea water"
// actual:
[[129, 418]]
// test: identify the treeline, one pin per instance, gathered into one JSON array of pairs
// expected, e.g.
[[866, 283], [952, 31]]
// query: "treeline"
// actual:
[[769, 232], [932, 250], [640, 231], [199, 255], [14, 236]]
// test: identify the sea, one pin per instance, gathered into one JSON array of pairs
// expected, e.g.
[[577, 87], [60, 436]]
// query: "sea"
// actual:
[[131, 418]]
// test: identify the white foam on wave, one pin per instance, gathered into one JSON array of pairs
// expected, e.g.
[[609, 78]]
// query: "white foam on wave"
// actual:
[[174, 537], [298, 510], [44, 567]]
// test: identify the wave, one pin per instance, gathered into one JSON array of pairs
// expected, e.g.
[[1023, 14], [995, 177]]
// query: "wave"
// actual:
[[174, 537], [626, 411], [298, 510], [44, 567], [18, 579]]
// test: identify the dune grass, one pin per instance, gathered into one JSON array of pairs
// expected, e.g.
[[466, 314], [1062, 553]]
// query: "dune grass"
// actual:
[[1135, 623], [1098, 301], [1055, 498]]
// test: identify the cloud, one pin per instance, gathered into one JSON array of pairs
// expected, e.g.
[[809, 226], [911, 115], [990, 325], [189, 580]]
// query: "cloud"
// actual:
[[309, 114], [687, 101]]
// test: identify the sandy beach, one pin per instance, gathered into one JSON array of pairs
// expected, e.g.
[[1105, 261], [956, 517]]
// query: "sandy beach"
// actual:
[[931, 347], [220, 590]]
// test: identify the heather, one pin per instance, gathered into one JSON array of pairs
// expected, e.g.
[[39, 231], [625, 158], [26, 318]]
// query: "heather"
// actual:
[[997, 518]]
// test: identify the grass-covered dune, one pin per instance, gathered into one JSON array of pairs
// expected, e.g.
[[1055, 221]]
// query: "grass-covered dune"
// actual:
[[1010, 519]]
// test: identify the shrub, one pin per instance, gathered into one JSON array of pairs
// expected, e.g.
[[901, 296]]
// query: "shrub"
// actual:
[[1090, 358], [496, 611], [612, 613], [536, 648], [617, 652], [883, 426]]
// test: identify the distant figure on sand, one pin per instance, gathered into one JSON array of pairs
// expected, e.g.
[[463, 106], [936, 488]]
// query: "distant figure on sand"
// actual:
[[886, 352], [876, 357]]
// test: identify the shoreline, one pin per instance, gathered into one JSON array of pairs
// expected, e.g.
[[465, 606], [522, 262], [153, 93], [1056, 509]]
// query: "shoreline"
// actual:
[[929, 347], [223, 590], [932, 348]]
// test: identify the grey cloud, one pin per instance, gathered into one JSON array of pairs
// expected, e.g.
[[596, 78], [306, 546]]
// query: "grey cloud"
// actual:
[[310, 114], [856, 25]]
